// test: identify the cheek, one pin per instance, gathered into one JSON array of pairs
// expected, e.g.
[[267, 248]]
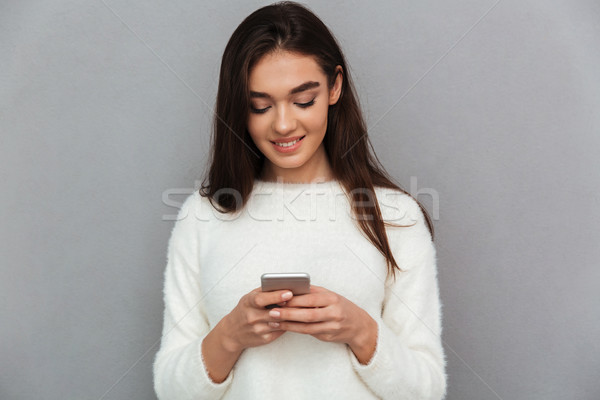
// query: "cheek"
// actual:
[[317, 121], [255, 128]]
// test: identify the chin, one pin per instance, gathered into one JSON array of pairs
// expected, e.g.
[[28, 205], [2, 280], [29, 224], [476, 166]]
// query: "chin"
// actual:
[[289, 164]]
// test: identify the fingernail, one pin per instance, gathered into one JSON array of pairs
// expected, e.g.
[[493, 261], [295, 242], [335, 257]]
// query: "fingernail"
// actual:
[[274, 313], [274, 324], [286, 295]]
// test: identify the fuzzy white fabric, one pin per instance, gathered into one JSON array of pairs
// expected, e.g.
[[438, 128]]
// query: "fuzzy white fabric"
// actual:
[[214, 259]]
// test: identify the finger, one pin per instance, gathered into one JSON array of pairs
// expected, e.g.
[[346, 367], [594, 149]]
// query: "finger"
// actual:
[[307, 328], [283, 303], [275, 326], [317, 299], [275, 334], [300, 314], [263, 299]]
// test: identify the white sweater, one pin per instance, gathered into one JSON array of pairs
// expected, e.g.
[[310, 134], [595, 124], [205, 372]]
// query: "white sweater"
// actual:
[[214, 259]]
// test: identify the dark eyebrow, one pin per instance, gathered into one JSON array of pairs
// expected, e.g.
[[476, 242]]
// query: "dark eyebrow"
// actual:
[[297, 89]]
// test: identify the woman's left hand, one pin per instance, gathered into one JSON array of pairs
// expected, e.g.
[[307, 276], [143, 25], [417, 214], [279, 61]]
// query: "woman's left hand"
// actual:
[[330, 317]]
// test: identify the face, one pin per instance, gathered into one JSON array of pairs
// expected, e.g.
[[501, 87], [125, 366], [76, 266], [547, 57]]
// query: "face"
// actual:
[[287, 121]]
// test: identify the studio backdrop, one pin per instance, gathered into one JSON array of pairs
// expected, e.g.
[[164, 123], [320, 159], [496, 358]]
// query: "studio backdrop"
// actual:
[[486, 111]]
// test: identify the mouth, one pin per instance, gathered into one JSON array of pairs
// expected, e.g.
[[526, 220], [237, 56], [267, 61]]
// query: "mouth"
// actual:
[[288, 142]]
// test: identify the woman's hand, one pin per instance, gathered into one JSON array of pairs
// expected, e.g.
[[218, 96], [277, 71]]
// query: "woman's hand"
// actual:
[[247, 324], [329, 317]]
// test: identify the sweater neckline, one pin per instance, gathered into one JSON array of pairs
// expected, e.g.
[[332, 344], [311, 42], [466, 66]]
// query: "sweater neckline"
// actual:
[[291, 186]]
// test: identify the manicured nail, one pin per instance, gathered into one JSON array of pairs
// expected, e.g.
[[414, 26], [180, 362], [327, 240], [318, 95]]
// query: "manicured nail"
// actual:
[[274, 313], [286, 295], [274, 324]]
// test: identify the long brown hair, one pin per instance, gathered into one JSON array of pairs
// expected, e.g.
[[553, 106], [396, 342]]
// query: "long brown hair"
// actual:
[[291, 27]]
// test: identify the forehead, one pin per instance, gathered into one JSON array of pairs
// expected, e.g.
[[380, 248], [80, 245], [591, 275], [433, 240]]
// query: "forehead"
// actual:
[[278, 72]]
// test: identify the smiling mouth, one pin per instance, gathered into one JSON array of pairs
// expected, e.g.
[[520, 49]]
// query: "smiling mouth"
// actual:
[[288, 144]]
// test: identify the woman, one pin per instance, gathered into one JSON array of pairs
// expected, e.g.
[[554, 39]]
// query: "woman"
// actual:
[[292, 186]]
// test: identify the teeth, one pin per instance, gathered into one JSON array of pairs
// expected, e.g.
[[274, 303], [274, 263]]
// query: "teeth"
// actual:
[[288, 144]]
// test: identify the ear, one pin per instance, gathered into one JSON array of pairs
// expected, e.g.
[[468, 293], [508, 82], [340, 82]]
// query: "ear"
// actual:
[[336, 90]]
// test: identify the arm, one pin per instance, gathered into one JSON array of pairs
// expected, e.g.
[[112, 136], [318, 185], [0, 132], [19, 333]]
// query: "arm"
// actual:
[[409, 361], [179, 369], [219, 355]]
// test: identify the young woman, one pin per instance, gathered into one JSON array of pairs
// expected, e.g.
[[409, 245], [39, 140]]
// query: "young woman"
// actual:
[[293, 187]]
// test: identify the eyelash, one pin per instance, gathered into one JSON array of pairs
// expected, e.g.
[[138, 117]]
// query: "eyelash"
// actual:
[[264, 110]]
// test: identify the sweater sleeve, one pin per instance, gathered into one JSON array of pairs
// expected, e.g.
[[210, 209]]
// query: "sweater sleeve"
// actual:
[[409, 361], [179, 370]]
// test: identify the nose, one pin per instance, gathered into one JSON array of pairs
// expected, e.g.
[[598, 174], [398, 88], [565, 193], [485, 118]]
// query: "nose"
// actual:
[[284, 121]]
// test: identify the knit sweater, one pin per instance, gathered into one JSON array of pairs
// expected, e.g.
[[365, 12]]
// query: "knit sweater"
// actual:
[[213, 259]]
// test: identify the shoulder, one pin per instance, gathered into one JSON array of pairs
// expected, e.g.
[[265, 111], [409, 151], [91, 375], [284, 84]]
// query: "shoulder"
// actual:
[[398, 207], [190, 206], [408, 231], [194, 209]]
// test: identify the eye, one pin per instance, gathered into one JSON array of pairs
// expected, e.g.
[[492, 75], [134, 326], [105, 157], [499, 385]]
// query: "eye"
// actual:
[[259, 110], [305, 105]]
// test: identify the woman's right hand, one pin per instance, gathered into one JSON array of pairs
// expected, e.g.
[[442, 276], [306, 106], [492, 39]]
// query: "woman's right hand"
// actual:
[[247, 325]]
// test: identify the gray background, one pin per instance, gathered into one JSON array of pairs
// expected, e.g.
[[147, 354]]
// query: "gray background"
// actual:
[[491, 106]]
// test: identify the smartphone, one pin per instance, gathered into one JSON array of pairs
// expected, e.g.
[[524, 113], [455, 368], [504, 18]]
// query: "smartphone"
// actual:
[[297, 282]]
